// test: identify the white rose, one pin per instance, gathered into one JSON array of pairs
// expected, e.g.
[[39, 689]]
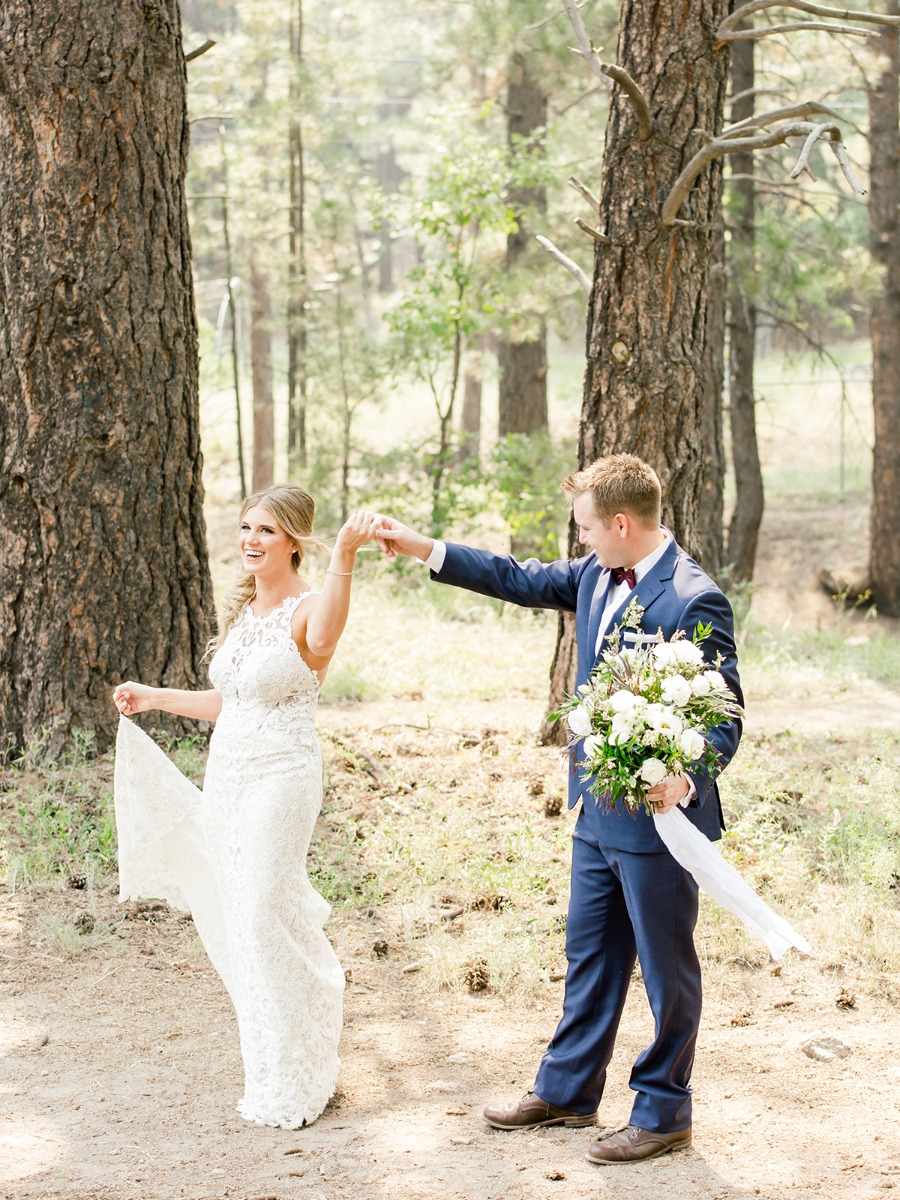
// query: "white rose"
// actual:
[[715, 681], [692, 744], [676, 689], [664, 653], [621, 729], [653, 771], [622, 701], [700, 685], [664, 720], [688, 652], [591, 743], [579, 720]]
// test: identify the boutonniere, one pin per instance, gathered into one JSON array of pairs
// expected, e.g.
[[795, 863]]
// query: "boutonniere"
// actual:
[[633, 615]]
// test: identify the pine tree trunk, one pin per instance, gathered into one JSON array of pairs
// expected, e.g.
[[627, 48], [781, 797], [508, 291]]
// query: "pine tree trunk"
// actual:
[[646, 330], [884, 142], [104, 572], [523, 355], [643, 387], [710, 530], [749, 497], [261, 375], [473, 390]]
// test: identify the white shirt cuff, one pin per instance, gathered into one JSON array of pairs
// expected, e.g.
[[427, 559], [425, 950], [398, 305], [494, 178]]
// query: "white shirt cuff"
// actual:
[[691, 793], [435, 559]]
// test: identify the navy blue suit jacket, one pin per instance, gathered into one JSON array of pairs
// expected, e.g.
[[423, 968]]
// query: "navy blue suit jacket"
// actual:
[[675, 594]]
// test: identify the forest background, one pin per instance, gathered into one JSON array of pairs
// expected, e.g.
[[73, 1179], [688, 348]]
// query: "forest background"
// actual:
[[376, 319]]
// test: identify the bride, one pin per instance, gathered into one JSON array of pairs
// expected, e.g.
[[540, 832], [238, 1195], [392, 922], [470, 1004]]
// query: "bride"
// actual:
[[235, 853]]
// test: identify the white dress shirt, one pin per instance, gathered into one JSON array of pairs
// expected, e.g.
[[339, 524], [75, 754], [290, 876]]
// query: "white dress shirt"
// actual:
[[620, 590]]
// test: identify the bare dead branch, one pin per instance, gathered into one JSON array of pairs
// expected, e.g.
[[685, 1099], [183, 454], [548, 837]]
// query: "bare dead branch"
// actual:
[[791, 112], [586, 46], [571, 266], [606, 70], [547, 20], [840, 152], [636, 96], [585, 192], [720, 147], [592, 232], [561, 112], [207, 45], [728, 31]]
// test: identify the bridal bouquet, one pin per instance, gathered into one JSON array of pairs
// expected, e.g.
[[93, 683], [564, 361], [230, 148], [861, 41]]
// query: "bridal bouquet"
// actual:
[[645, 714]]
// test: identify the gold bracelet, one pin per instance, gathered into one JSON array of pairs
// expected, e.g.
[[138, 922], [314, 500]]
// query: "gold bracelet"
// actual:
[[328, 571]]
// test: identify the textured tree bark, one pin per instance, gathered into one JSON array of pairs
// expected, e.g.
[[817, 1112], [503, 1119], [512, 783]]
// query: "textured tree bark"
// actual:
[[646, 322], [749, 497], [261, 373], [884, 142], [645, 370], [103, 568]]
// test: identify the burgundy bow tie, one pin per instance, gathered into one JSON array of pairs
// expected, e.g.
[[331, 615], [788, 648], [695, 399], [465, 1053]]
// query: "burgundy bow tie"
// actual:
[[624, 573]]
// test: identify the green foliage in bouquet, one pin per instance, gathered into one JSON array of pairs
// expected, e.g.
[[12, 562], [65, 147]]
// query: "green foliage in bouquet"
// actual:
[[645, 714]]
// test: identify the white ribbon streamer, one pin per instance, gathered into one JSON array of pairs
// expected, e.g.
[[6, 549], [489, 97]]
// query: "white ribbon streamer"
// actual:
[[699, 856]]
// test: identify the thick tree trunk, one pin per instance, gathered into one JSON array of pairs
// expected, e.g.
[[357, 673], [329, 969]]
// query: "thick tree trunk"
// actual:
[[884, 142], [103, 570], [261, 373], [645, 371], [643, 387], [749, 499]]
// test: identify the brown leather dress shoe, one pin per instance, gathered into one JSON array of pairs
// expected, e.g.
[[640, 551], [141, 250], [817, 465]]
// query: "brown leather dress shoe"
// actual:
[[633, 1144], [532, 1112]]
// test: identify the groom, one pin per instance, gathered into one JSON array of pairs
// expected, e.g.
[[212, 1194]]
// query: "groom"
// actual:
[[629, 898]]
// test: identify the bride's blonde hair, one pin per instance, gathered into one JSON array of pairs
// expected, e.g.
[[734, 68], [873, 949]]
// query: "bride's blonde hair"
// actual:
[[294, 510]]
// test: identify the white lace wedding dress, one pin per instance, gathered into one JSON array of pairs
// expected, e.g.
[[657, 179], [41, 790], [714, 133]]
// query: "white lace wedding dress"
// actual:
[[234, 855]]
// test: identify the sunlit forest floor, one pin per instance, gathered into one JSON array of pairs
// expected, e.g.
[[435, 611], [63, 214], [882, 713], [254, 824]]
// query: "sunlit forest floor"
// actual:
[[443, 848]]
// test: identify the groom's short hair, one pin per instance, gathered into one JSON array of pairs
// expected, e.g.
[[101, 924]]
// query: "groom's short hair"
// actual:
[[619, 483]]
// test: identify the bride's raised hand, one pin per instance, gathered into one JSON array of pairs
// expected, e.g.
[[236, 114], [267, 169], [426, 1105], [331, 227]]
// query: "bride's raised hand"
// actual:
[[131, 698], [359, 528]]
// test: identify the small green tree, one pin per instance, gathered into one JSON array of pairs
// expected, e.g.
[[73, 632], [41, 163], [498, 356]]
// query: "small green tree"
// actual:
[[461, 215]]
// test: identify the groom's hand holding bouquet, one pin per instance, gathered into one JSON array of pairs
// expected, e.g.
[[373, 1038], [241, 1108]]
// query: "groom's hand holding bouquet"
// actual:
[[643, 717]]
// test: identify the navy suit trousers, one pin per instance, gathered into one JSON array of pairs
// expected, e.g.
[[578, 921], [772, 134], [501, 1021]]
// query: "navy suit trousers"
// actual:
[[624, 906]]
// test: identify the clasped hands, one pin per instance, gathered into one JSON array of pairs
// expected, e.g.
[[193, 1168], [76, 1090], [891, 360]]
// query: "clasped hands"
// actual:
[[668, 793]]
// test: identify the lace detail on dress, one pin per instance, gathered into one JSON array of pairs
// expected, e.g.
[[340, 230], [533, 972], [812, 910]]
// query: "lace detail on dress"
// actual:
[[256, 911]]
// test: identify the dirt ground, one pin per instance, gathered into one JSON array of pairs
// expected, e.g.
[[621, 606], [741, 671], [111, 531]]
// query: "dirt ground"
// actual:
[[121, 1067]]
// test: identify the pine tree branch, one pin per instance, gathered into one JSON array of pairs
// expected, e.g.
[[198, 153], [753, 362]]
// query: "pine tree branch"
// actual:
[[728, 31], [585, 192], [207, 45], [592, 232], [720, 147], [620, 76], [572, 267], [790, 112]]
